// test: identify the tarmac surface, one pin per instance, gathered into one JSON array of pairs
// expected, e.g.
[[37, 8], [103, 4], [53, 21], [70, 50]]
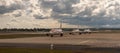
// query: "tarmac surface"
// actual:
[[85, 43], [103, 40]]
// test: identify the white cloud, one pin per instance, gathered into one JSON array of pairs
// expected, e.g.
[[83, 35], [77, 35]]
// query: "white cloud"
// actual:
[[41, 13]]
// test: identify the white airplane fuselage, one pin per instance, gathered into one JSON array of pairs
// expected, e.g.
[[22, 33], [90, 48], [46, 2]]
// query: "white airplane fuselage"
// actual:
[[55, 32], [87, 31], [76, 31]]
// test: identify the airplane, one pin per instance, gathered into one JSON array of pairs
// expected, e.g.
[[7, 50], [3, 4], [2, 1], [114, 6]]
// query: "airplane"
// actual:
[[87, 31], [76, 31], [56, 31]]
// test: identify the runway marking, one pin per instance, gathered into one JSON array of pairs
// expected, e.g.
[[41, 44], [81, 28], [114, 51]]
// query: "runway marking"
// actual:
[[84, 41]]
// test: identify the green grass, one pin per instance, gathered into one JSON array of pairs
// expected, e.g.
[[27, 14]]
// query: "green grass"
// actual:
[[37, 50], [10, 36], [28, 50]]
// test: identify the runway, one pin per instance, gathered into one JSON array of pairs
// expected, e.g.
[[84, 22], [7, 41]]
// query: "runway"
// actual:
[[105, 40]]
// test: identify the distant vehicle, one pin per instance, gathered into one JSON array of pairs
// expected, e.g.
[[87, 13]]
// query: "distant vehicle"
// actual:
[[56, 31], [76, 31]]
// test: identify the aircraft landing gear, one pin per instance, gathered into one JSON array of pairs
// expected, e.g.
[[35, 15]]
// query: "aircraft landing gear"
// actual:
[[61, 35], [80, 33], [51, 35], [47, 34], [70, 33]]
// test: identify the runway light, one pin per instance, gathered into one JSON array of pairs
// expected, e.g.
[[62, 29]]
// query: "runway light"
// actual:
[[51, 46]]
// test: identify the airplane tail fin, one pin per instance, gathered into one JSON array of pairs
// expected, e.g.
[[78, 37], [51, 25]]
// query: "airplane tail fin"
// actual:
[[60, 25]]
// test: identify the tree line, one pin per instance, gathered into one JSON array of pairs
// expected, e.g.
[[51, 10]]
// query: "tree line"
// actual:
[[23, 29]]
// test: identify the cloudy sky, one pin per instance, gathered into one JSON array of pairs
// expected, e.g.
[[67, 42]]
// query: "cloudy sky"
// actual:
[[50, 13]]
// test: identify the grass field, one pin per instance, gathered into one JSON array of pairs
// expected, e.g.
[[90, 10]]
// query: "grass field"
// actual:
[[36, 50], [28, 50]]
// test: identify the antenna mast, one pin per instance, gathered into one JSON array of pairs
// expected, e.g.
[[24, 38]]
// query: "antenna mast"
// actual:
[[61, 25]]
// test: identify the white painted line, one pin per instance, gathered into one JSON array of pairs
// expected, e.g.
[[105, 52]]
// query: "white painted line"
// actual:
[[84, 41]]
